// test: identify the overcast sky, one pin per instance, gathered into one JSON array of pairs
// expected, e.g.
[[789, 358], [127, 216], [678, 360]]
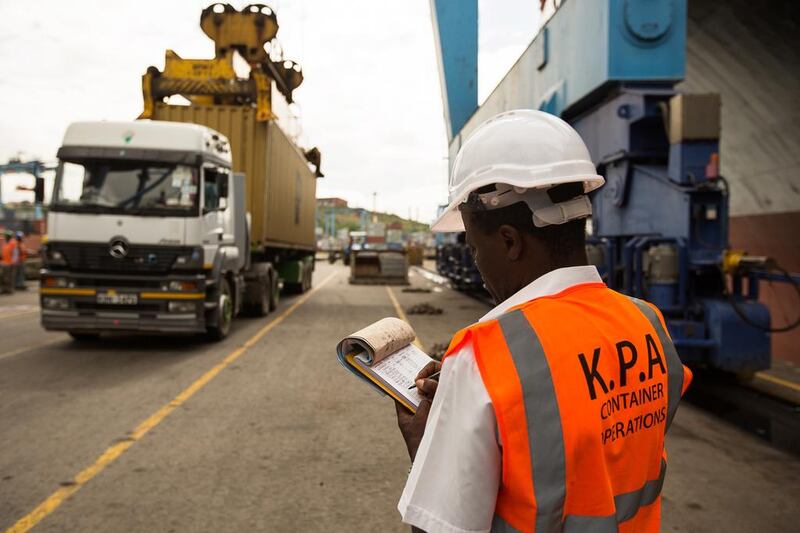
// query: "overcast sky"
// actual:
[[371, 98]]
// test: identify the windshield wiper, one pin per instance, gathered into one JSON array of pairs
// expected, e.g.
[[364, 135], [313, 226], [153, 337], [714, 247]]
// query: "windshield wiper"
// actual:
[[147, 189]]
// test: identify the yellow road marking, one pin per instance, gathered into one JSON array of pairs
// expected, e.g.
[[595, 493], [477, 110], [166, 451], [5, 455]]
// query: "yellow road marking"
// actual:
[[112, 453], [401, 315], [778, 381], [12, 353]]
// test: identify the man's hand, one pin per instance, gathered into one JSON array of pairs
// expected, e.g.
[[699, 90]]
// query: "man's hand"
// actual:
[[412, 426], [428, 386]]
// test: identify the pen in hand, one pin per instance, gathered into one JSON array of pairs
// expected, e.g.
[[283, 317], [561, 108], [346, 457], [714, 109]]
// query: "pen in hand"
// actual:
[[434, 376]]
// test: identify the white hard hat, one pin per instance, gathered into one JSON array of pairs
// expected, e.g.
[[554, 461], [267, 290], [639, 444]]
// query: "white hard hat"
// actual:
[[524, 153]]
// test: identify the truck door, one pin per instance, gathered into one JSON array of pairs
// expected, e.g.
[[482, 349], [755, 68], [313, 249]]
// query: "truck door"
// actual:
[[217, 229]]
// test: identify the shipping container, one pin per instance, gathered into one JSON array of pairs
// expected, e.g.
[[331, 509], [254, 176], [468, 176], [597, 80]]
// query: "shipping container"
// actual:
[[281, 186]]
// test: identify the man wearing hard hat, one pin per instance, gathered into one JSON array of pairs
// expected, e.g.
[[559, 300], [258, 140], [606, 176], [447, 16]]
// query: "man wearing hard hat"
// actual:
[[551, 411]]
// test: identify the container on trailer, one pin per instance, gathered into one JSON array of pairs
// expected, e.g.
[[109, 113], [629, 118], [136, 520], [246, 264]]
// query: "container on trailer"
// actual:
[[281, 187]]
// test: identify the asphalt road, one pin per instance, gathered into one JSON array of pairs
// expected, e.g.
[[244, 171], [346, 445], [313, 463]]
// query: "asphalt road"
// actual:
[[265, 432], [280, 439]]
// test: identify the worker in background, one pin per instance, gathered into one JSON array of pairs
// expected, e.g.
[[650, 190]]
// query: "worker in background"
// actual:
[[8, 257], [551, 411], [22, 255]]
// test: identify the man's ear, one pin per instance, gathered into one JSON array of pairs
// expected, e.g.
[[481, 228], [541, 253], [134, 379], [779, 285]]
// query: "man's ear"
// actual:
[[512, 241]]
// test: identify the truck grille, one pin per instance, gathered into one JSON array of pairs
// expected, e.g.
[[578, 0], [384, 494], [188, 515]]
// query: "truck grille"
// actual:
[[140, 259], [141, 308], [119, 282]]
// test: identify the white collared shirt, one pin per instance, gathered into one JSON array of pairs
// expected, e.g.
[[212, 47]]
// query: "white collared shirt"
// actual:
[[453, 484]]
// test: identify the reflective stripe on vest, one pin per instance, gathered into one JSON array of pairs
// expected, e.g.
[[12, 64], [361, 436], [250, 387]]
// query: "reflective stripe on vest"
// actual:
[[627, 505], [674, 365], [545, 435], [545, 438]]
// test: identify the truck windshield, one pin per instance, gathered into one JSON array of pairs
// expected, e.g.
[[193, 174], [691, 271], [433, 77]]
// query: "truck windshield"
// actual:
[[126, 187]]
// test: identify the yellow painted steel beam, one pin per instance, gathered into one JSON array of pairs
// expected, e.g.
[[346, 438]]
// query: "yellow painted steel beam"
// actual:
[[214, 81], [172, 296], [198, 69], [206, 82], [67, 292], [263, 96], [147, 95], [245, 31]]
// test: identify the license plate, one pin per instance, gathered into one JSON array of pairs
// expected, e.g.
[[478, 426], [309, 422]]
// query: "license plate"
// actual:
[[117, 298]]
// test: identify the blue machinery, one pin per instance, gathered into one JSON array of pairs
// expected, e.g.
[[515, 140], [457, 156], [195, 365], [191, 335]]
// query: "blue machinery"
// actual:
[[34, 168], [660, 224]]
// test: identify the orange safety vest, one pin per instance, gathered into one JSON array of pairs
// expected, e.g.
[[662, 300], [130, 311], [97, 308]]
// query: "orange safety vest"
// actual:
[[8, 251], [584, 385]]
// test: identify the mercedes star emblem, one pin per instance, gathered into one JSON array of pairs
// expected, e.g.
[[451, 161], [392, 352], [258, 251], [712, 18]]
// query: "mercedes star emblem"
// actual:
[[118, 249]]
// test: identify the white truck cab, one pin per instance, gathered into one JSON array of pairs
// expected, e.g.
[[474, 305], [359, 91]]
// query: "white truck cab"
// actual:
[[147, 231]]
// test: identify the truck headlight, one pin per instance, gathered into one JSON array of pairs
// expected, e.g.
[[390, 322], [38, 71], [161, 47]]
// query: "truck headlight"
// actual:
[[55, 303], [54, 282], [179, 286], [182, 307], [53, 257], [189, 261]]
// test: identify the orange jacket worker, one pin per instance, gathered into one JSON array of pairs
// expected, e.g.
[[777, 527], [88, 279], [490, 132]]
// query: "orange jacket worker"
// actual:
[[10, 250], [551, 411]]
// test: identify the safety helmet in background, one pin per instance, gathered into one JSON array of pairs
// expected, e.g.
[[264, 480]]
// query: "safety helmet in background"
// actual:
[[20, 235], [523, 153]]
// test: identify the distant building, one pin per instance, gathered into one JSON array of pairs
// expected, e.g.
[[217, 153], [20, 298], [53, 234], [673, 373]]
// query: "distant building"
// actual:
[[331, 202]]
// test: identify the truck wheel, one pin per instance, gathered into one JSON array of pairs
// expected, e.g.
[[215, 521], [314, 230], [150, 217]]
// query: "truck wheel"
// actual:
[[83, 337], [224, 313], [263, 306], [265, 302], [307, 279], [274, 291]]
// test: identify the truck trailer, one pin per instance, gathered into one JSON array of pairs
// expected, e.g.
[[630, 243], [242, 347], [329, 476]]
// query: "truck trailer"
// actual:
[[179, 221]]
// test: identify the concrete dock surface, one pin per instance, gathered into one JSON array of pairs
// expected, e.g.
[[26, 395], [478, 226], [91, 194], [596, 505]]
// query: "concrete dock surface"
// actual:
[[266, 432]]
